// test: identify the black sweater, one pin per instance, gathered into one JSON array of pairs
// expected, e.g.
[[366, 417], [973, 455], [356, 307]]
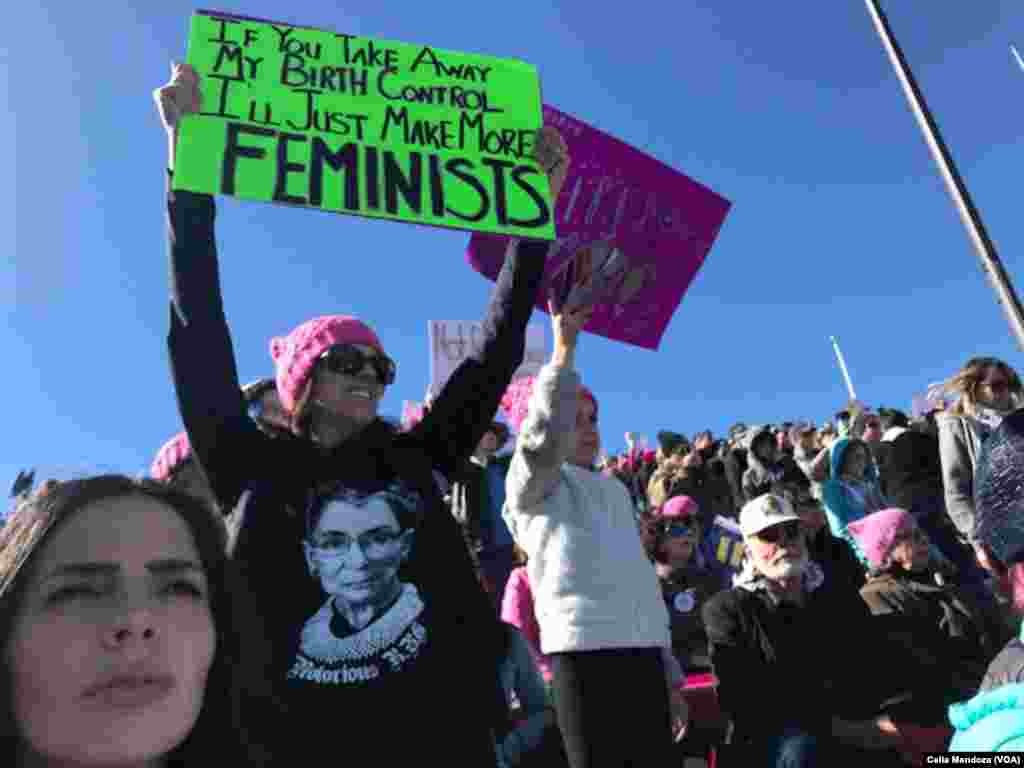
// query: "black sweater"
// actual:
[[424, 685]]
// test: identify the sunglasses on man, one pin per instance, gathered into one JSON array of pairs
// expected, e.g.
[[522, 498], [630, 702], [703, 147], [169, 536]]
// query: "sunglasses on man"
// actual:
[[788, 531], [349, 360]]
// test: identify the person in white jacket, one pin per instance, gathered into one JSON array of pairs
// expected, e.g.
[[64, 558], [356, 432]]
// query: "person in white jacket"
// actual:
[[597, 598]]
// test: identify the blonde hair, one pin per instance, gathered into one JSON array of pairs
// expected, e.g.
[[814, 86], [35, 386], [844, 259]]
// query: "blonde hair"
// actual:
[[664, 483], [519, 555], [969, 379]]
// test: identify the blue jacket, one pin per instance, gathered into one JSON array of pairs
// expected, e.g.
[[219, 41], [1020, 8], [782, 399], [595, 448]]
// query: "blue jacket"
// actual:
[[494, 533], [842, 507], [993, 721]]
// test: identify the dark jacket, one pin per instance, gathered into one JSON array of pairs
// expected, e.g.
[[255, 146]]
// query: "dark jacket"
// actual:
[[478, 494], [780, 665], [759, 477], [735, 464], [451, 643], [717, 490], [913, 469], [686, 591], [837, 559], [941, 627]]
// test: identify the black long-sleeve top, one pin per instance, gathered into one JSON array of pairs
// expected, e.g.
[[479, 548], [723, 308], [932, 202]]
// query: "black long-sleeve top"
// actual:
[[421, 681]]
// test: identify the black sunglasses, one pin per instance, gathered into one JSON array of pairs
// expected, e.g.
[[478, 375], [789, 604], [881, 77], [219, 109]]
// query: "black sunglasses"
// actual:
[[772, 535], [349, 360], [677, 530]]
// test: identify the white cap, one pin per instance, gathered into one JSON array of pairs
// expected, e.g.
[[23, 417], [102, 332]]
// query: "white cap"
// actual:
[[764, 512]]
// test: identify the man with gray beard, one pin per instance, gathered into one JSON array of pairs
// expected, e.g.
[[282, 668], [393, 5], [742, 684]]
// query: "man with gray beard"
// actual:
[[799, 673]]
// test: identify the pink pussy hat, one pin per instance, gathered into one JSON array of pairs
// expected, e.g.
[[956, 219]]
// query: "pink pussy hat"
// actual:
[[296, 354], [515, 403], [678, 507], [875, 532], [171, 455]]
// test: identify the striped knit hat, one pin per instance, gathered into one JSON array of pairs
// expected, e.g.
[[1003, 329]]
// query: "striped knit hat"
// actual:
[[296, 354]]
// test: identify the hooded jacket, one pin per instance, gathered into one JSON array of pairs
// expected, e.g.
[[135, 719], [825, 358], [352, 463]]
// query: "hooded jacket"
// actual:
[[735, 463], [815, 466], [845, 503], [444, 621], [759, 477], [913, 473], [993, 721]]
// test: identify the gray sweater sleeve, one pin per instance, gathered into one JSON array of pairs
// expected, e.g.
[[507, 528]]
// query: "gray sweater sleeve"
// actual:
[[545, 440], [957, 475]]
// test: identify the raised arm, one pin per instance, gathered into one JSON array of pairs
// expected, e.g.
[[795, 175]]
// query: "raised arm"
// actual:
[[224, 439], [469, 400], [820, 465], [547, 436]]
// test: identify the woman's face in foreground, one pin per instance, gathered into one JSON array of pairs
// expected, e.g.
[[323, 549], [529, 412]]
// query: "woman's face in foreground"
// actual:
[[114, 637]]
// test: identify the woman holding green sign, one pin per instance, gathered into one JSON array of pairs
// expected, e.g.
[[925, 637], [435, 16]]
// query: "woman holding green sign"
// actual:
[[379, 631]]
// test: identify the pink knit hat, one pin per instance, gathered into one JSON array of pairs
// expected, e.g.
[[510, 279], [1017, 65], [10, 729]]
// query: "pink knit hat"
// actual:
[[172, 455], [295, 354], [413, 413], [516, 400], [875, 532], [678, 507]]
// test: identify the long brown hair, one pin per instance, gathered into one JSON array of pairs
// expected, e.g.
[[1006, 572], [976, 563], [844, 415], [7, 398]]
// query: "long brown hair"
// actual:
[[234, 705], [969, 380]]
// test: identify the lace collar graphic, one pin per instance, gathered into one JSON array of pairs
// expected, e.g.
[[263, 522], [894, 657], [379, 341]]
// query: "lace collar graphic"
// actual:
[[320, 644]]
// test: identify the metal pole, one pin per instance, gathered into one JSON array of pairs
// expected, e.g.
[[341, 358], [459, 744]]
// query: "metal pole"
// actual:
[[1020, 61], [990, 262], [842, 367]]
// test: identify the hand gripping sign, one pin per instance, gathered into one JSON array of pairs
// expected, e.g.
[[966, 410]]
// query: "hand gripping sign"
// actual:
[[632, 234]]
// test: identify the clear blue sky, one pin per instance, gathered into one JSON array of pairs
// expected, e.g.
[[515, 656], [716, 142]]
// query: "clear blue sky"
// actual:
[[840, 222]]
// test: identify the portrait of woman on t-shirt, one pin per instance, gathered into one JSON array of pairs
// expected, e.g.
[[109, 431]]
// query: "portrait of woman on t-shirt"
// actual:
[[355, 545]]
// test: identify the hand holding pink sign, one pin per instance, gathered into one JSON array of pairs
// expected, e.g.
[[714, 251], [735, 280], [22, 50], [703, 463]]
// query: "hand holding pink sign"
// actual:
[[632, 233]]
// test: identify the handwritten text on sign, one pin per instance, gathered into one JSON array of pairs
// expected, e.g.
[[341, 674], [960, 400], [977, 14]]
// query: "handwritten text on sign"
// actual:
[[371, 127], [452, 341]]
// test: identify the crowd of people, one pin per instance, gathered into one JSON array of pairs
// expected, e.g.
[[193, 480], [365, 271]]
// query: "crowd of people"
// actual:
[[481, 586]]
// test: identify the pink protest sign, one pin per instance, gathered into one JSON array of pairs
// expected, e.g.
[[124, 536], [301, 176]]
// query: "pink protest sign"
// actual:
[[629, 227]]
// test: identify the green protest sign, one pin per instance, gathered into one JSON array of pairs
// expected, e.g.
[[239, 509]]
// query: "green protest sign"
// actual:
[[364, 126]]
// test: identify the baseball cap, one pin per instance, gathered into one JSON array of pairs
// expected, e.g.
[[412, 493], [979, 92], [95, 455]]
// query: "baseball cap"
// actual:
[[764, 512]]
